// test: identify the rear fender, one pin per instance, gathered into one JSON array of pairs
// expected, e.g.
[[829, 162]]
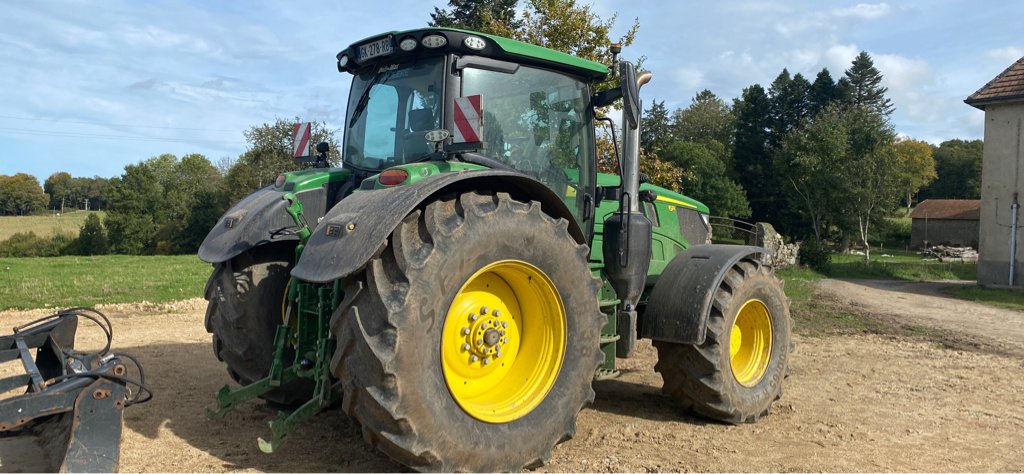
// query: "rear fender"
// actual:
[[357, 227], [679, 304], [253, 220]]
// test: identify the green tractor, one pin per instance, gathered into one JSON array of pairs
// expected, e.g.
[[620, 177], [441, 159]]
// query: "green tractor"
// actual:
[[459, 283]]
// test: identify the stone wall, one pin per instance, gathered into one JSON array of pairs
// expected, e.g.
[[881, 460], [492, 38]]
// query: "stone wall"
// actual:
[[779, 253]]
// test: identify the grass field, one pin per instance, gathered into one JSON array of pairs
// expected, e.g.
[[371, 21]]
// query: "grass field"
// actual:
[[45, 226], [1011, 299], [899, 265], [86, 281]]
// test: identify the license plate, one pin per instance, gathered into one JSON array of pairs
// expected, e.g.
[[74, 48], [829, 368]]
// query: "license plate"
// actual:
[[380, 47]]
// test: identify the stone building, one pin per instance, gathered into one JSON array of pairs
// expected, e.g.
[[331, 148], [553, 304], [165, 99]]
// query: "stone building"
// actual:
[[945, 222], [1002, 175]]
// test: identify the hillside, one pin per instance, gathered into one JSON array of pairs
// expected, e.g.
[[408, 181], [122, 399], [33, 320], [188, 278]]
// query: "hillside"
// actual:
[[45, 225]]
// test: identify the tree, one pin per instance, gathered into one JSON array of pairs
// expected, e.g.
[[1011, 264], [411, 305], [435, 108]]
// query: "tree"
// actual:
[[752, 158], [864, 87], [656, 132], [136, 202], [958, 171], [565, 26], [479, 15], [843, 169], [92, 238], [917, 166], [873, 169], [270, 154], [704, 178], [789, 105], [811, 164], [58, 186], [21, 194], [708, 121], [823, 91]]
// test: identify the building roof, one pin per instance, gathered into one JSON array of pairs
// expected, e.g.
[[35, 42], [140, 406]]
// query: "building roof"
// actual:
[[1008, 86], [952, 209]]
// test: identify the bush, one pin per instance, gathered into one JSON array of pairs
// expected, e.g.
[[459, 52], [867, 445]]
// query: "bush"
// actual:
[[92, 238], [815, 254], [28, 244]]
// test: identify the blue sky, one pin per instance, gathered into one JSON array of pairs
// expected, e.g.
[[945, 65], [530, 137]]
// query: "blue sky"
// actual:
[[88, 87]]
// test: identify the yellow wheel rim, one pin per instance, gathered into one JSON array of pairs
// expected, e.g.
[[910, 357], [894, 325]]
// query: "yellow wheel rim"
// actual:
[[750, 343], [503, 341]]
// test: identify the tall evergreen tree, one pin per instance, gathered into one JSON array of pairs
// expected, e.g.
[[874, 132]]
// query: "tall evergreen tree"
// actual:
[[656, 132], [790, 106], [752, 159], [865, 86], [823, 91]]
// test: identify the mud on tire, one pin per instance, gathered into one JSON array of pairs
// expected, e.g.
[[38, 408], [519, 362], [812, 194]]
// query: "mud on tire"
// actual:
[[702, 378], [245, 296], [389, 331]]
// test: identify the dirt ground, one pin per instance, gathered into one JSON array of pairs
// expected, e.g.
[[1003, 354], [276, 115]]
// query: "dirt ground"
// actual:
[[852, 403]]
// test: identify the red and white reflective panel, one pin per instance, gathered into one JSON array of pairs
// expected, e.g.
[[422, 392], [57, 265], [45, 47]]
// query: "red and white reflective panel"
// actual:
[[301, 131], [469, 122]]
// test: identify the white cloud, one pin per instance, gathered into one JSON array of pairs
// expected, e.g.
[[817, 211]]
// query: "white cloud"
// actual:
[[831, 21], [838, 57], [863, 10], [687, 78], [1008, 55]]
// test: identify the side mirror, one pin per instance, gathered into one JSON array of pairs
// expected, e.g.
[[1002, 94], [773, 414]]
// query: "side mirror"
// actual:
[[630, 93]]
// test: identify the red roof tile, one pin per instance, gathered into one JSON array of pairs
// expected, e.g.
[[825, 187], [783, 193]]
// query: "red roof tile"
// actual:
[[1007, 86], [955, 209]]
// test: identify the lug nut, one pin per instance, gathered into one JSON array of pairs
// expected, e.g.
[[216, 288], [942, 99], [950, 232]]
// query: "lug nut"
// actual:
[[483, 310], [472, 316], [479, 341], [487, 361], [497, 314], [473, 358], [504, 324], [497, 354], [465, 346], [465, 331], [502, 332], [505, 340]]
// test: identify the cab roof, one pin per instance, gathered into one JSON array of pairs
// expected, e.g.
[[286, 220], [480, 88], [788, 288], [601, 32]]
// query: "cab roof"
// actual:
[[498, 48]]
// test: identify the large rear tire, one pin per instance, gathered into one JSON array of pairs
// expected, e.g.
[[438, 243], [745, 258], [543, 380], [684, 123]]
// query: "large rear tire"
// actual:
[[245, 305], [470, 343], [737, 373]]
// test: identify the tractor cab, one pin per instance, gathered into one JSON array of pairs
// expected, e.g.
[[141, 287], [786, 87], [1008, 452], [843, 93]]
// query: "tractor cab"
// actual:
[[525, 108]]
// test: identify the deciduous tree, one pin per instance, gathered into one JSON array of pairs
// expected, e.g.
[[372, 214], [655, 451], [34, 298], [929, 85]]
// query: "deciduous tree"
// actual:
[[21, 195], [917, 166]]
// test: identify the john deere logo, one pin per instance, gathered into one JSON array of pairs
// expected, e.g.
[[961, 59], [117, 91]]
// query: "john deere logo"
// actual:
[[333, 230]]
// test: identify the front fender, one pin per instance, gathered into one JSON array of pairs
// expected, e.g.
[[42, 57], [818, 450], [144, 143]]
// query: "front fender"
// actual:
[[679, 305], [357, 227], [251, 221]]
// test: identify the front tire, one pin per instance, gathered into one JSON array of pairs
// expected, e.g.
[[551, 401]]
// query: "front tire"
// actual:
[[737, 373], [470, 342], [245, 305]]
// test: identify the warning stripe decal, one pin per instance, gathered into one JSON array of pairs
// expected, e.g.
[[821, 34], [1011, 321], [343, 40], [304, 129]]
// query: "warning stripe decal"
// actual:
[[467, 119], [301, 134]]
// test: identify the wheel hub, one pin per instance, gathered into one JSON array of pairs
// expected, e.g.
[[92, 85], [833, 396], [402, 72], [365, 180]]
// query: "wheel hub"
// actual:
[[485, 334]]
